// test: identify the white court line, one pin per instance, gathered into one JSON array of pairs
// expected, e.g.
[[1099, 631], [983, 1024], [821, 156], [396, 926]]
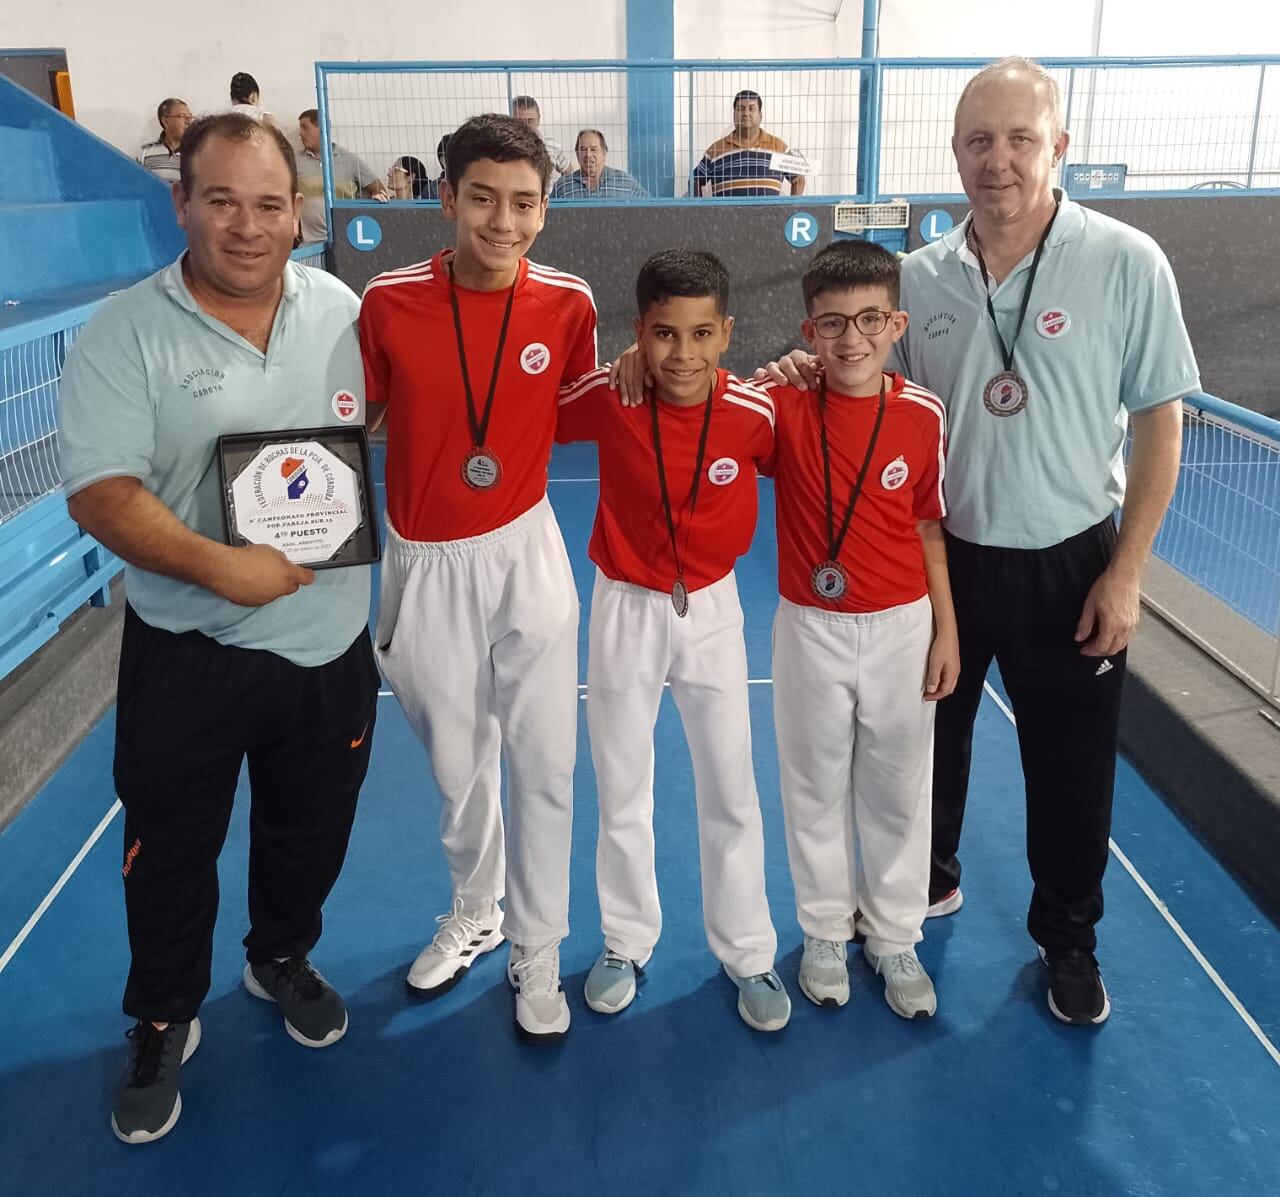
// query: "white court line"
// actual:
[[1187, 942], [38, 914]]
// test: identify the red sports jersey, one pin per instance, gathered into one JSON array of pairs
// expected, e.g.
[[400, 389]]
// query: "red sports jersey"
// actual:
[[631, 541], [411, 363], [881, 553]]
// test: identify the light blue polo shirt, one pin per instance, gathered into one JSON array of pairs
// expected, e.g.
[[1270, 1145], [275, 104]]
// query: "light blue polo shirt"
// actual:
[[1103, 338], [150, 384]]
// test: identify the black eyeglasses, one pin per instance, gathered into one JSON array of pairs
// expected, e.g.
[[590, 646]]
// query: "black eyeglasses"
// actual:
[[868, 322]]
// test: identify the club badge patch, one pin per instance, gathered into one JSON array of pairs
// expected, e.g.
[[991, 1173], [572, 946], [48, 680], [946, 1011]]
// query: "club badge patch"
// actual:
[[1053, 323], [535, 358], [345, 406], [894, 474], [722, 471]]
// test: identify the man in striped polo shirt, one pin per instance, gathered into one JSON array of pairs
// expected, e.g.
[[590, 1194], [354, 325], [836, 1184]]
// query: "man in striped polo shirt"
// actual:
[[163, 157], [744, 163]]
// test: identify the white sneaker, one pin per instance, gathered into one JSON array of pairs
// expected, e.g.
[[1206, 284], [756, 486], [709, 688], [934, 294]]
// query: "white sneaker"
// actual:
[[947, 904], [542, 1013], [461, 940], [824, 973], [907, 987]]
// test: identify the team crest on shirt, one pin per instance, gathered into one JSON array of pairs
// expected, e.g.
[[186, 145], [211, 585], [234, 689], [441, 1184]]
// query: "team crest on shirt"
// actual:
[[894, 474], [345, 406], [535, 358], [1053, 323], [722, 471]]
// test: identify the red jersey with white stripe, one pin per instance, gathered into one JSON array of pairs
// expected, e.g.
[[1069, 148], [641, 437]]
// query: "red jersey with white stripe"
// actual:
[[411, 364], [631, 541], [882, 553]]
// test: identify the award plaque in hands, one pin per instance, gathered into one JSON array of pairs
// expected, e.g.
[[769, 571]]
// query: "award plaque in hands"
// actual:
[[307, 492]]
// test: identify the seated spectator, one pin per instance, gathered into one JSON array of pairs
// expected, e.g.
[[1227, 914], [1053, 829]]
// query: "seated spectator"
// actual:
[[351, 177], [525, 109], [741, 163], [408, 179], [244, 98], [162, 156], [433, 185], [593, 179]]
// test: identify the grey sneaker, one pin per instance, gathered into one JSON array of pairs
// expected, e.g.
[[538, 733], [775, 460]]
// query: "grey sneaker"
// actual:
[[824, 972], [907, 987], [542, 1013], [611, 983], [147, 1103], [314, 1015], [762, 1000]]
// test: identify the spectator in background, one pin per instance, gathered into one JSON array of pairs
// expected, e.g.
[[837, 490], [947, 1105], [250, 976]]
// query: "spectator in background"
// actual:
[[742, 163], [162, 157], [593, 179], [408, 179], [525, 109], [244, 98], [351, 177]]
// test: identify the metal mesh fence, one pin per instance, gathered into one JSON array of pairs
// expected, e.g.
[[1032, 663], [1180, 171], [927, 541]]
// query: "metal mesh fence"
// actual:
[[1216, 573], [29, 376]]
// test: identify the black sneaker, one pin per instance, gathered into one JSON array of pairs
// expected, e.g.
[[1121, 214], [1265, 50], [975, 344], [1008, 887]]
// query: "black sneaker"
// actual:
[[314, 1015], [148, 1103], [1076, 992]]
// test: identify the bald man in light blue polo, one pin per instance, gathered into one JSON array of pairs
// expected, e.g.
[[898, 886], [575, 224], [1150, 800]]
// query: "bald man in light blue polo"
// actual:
[[229, 653], [1047, 329]]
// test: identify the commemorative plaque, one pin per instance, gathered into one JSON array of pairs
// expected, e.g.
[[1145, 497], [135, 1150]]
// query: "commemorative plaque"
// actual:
[[307, 492]]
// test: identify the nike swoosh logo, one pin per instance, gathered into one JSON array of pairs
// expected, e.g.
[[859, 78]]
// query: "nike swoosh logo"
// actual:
[[357, 743]]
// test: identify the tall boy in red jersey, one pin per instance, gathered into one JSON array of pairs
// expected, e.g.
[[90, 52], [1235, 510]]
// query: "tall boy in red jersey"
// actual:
[[478, 617], [677, 509], [864, 641]]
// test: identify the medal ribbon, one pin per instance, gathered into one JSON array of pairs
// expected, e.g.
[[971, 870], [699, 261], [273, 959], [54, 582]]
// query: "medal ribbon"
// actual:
[[1007, 353], [697, 477], [836, 543], [480, 424]]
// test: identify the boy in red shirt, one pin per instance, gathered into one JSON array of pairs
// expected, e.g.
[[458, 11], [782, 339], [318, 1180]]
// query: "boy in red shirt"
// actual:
[[677, 508], [478, 618], [864, 640]]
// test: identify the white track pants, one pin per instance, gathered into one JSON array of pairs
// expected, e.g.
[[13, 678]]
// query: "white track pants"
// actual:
[[479, 640], [637, 643], [855, 751]]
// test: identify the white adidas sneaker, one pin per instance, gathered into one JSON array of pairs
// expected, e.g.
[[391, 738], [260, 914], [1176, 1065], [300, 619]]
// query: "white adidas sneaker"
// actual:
[[461, 940], [542, 1012]]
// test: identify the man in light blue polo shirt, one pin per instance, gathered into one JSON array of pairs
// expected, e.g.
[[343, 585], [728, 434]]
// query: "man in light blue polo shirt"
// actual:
[[228, 652], [1047, 329]]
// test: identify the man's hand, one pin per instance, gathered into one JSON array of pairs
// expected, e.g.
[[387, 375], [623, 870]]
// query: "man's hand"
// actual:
[[944, 666], [630, 376], [257, 574], [1110, 614], [799, 369]]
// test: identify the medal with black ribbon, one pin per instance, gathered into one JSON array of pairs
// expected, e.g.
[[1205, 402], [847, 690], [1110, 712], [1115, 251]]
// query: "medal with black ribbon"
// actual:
[[481, 468], [830, 580], [1006, 394], [679, 590]]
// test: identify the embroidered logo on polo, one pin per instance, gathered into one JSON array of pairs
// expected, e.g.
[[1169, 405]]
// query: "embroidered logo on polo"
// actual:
[[535, 358], [1053, 323], [345, 406], [894, 474], [722, 471]]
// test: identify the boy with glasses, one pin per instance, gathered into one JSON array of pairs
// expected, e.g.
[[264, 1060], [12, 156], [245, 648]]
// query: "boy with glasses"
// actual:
[[864, 641]]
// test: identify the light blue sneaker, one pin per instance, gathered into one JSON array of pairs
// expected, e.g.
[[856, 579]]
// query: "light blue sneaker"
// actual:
[[611, 983], [762, 1000]]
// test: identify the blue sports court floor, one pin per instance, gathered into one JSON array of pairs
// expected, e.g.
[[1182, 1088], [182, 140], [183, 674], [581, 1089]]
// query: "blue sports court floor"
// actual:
[[1179, 1093]]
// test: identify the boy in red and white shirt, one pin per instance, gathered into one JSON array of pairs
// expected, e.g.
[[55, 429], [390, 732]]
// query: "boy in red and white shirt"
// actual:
[[478, 617], [864, 641], [677, 508]]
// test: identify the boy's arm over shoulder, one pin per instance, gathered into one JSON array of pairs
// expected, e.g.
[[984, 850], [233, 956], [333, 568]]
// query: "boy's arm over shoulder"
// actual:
[[583, 406]]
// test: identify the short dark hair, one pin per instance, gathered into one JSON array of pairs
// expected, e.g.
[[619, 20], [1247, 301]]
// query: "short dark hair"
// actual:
[[442, 147], [604, 145], [748, 94], [525, 102], [682, 274], [243, 85], [497, 138], [166, 107], [849, 263], [312, 115], [231, 126]]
